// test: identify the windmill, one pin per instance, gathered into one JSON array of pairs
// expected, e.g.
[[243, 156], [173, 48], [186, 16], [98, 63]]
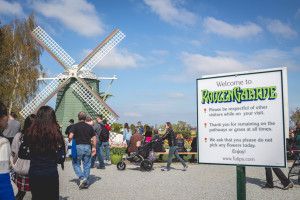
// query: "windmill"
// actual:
[[77, 88]]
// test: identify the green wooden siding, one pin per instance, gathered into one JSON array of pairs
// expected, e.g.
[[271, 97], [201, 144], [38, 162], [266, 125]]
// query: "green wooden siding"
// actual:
[[69, 104]]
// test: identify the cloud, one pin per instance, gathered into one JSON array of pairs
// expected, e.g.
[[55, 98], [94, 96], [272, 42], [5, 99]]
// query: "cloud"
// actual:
[[175, 95], [194, 42], [277, 28], [219, 27], [132, 114], [197, 63], [13, 8], [78, 15], [160, 52], [169, 13], [275, 58], [119, 59], [297, 13]]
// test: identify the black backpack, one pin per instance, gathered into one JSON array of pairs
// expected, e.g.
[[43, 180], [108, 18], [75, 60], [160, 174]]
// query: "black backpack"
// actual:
[[104, 134]]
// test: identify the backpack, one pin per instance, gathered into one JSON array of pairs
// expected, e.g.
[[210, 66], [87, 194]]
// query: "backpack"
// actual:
[[104, 134]]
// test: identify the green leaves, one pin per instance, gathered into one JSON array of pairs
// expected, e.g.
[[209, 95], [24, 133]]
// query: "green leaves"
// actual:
[[19, 63]]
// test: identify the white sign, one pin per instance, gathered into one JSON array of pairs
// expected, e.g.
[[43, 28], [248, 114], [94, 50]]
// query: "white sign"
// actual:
[[241, 118]]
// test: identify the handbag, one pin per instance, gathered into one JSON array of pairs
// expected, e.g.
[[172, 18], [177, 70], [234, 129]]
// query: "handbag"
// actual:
[[73, 150], [22, 166]]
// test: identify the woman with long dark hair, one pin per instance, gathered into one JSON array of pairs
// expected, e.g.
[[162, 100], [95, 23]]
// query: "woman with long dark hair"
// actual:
[[127, 133], [44, 145], [170, 136], [21, 179]]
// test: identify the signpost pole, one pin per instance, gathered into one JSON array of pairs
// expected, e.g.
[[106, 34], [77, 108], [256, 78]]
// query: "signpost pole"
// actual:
[[241, 182]]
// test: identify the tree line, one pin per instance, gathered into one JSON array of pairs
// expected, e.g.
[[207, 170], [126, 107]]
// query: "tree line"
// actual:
[[180, 127]]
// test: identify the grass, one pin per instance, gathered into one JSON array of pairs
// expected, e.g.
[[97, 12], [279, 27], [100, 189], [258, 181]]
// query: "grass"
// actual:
[[185, 158]]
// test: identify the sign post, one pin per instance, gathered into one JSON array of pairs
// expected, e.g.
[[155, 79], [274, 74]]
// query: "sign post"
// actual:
[[241, 182], [242, 120]]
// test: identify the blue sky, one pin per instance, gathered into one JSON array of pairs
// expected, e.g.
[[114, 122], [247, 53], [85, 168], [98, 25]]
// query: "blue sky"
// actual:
[[168, 45]]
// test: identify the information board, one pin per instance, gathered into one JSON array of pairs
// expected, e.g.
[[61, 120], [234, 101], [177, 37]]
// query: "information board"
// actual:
[[241, 118]]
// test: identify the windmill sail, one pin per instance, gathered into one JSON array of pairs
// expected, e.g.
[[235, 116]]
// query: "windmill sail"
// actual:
[[52, 47], [44, 96], [80, 87], [94, 101], [108, 44]]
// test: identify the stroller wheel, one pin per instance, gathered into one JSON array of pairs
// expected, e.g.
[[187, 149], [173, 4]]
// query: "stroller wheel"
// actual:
[[121, 165], [146, 165]]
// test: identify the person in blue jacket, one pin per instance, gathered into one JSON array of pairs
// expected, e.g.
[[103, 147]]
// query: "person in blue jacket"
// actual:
[[127, 133]]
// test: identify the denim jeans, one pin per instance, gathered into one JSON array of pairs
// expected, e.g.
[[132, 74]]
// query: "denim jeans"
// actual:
[[84, 155], [127, 142], [99, 155], [105, 145], [173, 150]]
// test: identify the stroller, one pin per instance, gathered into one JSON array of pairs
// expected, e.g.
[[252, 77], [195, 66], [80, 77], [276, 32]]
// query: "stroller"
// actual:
[[295, 169], [144, 157]]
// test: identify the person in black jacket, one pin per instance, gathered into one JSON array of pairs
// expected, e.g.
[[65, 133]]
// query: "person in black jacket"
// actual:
[[194, 149], [67, 132], [158, 146], [170, 136], [180, 143], [44, 145]]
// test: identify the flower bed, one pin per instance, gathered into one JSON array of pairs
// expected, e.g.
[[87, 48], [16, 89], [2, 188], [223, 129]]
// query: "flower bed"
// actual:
[[117, 148], [187, 143]]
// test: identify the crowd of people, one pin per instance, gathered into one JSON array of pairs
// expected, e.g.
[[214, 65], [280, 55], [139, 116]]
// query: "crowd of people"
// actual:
[[29, 156]]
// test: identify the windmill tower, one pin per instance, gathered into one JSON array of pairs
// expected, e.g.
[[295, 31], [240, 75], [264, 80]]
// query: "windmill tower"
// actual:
[[77, 88]]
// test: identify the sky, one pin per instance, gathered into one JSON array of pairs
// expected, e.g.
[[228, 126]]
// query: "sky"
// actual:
[[168, 45]]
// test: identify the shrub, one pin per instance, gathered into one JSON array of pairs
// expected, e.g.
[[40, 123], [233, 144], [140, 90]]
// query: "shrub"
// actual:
[[185, 134]]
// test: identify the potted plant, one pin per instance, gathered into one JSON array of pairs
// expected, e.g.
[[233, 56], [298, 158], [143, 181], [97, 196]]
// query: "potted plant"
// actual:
[[116, 151]]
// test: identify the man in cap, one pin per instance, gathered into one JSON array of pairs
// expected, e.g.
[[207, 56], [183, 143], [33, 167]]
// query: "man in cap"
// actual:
[[69, 127]]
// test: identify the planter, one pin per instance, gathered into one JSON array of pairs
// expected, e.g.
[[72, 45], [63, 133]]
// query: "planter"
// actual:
[[115, 158]]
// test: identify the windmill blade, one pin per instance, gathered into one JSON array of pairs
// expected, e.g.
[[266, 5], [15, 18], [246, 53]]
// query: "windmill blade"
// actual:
[[82, 89], [108, 44], [52, 47], [44, 96]]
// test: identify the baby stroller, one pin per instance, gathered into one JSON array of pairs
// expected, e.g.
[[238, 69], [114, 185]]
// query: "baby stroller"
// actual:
[[295, 169], [144, 157]]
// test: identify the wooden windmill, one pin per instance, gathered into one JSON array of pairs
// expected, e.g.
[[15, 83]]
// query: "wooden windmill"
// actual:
[[77, 88]]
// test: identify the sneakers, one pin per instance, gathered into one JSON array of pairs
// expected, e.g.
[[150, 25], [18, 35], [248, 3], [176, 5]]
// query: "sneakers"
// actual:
[[165, 169], [82, 183], [290, 185], [185, 168]]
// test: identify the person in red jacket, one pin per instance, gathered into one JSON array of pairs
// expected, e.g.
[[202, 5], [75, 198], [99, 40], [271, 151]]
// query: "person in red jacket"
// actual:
[[106, 144]]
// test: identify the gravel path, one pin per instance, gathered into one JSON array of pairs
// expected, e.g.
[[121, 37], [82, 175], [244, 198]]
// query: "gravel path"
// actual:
[[199, 182]]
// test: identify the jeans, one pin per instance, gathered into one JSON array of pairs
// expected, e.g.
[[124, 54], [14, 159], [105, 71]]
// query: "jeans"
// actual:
[[99, 155], [173, 150], [105, 145], [84, 155], [127, 142]]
